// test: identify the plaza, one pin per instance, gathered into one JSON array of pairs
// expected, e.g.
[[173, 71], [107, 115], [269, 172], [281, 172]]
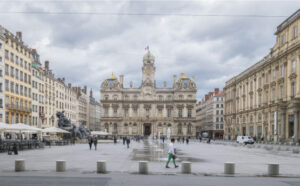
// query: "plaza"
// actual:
[[206, 159]]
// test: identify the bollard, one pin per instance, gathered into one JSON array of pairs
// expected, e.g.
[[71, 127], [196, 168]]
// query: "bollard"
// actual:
[[143, 167], [296, 151], [229, 168], [186, 167], [273, 169], [101, 166], [19, 165], [60, 166]]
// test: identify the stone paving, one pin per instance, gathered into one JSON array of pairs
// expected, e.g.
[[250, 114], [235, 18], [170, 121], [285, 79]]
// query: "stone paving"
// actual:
[[205, 158]]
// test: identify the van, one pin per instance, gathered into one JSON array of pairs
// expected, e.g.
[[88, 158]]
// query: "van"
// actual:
[[245, 140]]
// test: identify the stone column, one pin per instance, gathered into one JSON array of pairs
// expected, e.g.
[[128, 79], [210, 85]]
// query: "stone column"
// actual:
[[296, 126], [282, 123]]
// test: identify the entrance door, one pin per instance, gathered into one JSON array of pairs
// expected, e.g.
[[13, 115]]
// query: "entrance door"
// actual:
[[147, 129]]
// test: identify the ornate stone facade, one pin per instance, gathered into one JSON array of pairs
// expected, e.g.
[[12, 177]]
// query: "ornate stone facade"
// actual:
[[264, 100], [149, 110]]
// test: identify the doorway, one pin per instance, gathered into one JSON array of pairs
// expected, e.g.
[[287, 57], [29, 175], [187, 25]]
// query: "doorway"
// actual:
[[147, 129]]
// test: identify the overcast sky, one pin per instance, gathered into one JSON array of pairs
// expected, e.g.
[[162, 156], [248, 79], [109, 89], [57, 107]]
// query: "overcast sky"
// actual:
[[86, 40]]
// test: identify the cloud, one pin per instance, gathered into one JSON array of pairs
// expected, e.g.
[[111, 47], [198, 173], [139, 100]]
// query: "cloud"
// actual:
[[87, 48]]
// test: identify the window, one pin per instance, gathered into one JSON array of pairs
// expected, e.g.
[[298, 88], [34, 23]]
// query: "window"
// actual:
[[169, 112], [126, 97], [295, 31], [281, 92], [217, 119], [169, 97], [115, 112], [0, 59], [251, 86], [115, 97], [12, 70], [259, 99], [180, 112], [21, 75], [259, 82], [217, 105], [1, 103], [179, 128], [217, 112], [6, 54], [6, 69], [6, 85], [160, 98], [274, 75], [180, 97], [135, 97], [189, 129], [267, 78], [12, 85], [293, 66], [17, 74], [17, 88], [11, 57], [273, 94], [267, 97], [17, 60], [217, 126], [282, 71], [189, 112], [293, 89]]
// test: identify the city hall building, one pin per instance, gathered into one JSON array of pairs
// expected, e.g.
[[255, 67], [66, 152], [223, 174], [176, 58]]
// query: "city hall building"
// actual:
[[149, 110]]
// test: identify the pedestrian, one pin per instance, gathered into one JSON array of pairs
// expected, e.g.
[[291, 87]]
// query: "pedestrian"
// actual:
[[124, 140], [95, 140], [128, 142], [115, 139], [163, 139], [15, 149], [183, 139], [90, 140], [171, 154], [187, 140]]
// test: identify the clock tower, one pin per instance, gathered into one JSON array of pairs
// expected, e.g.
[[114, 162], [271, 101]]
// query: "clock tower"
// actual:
[[148, 70]]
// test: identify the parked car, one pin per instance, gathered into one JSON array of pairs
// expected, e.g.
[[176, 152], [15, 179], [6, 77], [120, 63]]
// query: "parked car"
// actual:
[[245, 140]]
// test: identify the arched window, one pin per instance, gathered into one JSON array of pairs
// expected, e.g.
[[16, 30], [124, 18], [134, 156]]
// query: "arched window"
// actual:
[[115, 97], [106, 97], [179, 128], [115, 128]]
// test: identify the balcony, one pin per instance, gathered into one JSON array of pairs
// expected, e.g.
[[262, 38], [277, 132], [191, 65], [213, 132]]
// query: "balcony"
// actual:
[[18, 108]]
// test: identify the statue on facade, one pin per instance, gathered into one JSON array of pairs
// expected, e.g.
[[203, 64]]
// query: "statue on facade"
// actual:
[[64, 123]]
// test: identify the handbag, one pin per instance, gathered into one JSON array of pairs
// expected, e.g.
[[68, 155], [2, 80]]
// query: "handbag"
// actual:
[[174, 157]]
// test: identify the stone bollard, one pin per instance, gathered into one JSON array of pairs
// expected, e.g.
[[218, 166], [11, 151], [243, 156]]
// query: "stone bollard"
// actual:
[[273, 169], [229, 168], [296, 151], [143, 167], [101, 166], [19, 165], [186, 167], [60, 166]]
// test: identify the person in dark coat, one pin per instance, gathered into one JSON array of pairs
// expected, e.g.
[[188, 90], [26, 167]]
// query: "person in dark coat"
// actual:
[[124, 140], [90, 142], [187, 140], [15, 149], [95, 142], [127, 142]]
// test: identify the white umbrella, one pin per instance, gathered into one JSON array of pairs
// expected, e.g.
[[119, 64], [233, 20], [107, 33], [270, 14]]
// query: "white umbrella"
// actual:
[[100, 133], [54, 130], [22, 127]]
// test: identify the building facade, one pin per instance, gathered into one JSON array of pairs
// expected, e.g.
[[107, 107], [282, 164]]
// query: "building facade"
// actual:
[[16, 62], [264, 100], [149, 110], [210, 114], [94, 113]]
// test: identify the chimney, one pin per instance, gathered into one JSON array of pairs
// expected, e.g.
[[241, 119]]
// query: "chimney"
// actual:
[[206, 97], [91, 93], [34, 51], [47, 65], [121, 80], [217, 91], [85, 89], [19, 35], [165, 84]]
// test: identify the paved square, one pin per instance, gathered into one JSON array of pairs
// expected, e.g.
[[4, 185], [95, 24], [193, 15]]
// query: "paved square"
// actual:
[[205, 158]]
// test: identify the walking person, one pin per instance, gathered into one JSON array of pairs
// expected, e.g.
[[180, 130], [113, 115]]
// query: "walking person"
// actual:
[[171, 154], [90, 142], [187, 140], [128, 142], [163, 139], [124, 140], [95, 142]]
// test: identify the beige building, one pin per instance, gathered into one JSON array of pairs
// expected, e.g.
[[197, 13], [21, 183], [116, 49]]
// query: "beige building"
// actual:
[[38, 83], [83, 106], [149, 110], [16, 59], [264, 100], [94, 113], [71, 104], [210, 114]]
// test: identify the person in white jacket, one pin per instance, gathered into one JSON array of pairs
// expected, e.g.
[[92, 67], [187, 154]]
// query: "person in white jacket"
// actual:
[[171, 153]]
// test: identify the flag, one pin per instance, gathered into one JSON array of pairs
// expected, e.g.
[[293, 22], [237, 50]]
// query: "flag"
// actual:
[[147, 47]]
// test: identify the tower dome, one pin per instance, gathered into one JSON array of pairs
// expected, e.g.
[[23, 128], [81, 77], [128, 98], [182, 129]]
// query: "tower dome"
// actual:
[[149, 56]]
